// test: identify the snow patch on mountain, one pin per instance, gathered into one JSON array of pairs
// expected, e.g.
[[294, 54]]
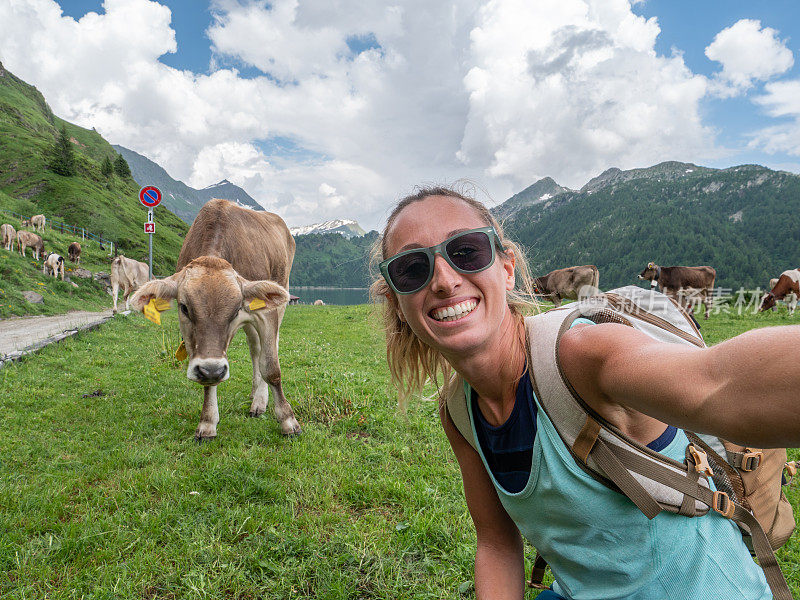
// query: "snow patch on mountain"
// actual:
[[345, 227]]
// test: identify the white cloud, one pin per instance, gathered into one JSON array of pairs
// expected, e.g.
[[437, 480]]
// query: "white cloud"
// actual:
[[780, 100], [568, 88], [498, 92], [747, 53]]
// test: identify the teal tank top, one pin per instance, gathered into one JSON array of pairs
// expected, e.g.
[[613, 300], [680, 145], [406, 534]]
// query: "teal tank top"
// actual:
[[600, 546]]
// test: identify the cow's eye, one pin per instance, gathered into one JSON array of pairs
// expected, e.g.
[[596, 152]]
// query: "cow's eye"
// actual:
[[184, 310]]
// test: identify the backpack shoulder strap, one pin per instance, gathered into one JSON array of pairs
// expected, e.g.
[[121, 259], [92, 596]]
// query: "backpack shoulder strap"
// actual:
[[458, 409]]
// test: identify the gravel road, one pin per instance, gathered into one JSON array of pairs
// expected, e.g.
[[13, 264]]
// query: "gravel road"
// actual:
[[23, 335]]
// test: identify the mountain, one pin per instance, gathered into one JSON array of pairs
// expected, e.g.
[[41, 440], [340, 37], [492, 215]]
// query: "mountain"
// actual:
[[345, 227], [178, 197], [175, 195], [541, 191], [331, 259], [107, 206], [228, 191], [744, 221]]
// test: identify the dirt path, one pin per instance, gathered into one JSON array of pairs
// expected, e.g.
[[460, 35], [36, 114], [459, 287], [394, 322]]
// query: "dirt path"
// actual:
[[23, 335]]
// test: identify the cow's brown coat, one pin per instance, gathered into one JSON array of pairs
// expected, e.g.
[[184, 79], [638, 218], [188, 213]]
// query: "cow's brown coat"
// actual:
[[74, 252], [685, 284], [567, 283], [26, 239]]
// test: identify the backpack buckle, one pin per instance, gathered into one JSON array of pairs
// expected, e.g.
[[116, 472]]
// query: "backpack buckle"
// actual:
[[751, 459], [700, 460], [722, 504], [791, 470]]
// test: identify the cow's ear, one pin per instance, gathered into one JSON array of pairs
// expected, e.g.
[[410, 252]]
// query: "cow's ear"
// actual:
[[166, 289], [271, 294]]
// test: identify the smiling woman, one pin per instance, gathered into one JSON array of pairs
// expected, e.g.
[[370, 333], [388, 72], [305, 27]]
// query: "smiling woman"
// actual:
[[449, 277]]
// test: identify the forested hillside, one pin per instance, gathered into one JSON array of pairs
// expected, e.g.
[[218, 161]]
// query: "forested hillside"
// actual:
[[744, 221], [91, 197], [330, 259]]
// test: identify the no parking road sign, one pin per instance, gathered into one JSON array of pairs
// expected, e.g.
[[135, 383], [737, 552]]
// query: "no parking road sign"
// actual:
[[150, 196]]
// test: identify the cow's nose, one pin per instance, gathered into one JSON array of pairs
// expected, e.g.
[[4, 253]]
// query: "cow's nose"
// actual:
[[213, 372]]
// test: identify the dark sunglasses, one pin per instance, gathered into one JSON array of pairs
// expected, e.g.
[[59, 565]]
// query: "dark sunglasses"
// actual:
[[470, 251]]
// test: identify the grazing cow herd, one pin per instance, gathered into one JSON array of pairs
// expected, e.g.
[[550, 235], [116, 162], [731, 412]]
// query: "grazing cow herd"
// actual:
[[53, 264], [233, 273]]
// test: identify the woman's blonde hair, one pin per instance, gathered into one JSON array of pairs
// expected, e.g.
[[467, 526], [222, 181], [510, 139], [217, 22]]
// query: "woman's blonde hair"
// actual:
[[411, 362]]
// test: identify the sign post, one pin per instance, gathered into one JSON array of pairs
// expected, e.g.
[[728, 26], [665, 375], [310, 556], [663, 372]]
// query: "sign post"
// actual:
[[150, 197]]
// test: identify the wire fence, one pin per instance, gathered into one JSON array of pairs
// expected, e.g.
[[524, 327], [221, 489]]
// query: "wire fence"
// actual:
[[66, 227]]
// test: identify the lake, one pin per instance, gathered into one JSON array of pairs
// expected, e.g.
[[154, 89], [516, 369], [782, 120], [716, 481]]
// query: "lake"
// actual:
[[331, 295]]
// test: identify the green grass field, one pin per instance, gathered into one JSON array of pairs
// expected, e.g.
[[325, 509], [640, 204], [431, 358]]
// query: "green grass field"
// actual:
[[105, 494]]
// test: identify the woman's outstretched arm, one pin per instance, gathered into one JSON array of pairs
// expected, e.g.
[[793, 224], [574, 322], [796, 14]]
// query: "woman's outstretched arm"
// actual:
[[499, 567], [746, 389]]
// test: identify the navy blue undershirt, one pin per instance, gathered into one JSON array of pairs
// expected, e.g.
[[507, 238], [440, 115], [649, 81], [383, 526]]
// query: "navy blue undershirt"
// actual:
[[508, 449]]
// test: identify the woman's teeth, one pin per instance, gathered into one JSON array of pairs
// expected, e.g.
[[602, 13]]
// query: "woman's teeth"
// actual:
[[452, 313]]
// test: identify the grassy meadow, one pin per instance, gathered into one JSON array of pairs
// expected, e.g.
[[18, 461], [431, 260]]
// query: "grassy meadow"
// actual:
[[105, 494]]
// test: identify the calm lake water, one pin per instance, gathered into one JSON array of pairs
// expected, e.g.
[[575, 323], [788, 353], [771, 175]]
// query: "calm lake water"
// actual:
[[331, 295]]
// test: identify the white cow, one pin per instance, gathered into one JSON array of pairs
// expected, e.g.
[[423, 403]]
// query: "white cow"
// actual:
[[128, 273], [38, 222], [53, 265]]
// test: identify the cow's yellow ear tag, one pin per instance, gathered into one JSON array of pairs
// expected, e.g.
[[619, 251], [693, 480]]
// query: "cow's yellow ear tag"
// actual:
[[152, 313], [160, 304], [256, 304], [180, 353]]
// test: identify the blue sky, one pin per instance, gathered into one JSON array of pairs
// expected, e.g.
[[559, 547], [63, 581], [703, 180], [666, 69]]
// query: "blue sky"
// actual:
[[327, 110]]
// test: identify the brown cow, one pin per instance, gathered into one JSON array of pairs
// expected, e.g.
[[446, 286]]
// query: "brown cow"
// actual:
[[569, 283], [53, 265], [9, 235], [25, 223], [233, 271], [74, 252], [26, 239], [38, 221], [130, 274], [788, 283], [687, 285]]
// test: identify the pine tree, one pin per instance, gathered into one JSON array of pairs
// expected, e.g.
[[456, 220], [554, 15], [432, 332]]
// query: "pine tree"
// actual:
[[121, 167], [106, 168], [62, 158]]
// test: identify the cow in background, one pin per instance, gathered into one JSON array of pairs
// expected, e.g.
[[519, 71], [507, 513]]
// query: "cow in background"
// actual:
[[38, 222], [569, 283], [788, 283], [26, 239], [687, 285], [74, 253], [128, 273], [25, 223], [9, 236], [232, 272], [53, 264]]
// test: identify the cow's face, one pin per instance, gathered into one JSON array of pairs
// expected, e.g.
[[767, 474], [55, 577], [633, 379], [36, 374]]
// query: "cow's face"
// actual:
[[213, 302], [650, 272], [768, 302]]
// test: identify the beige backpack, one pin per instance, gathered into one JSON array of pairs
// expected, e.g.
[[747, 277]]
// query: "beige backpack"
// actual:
[[748, 480]]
